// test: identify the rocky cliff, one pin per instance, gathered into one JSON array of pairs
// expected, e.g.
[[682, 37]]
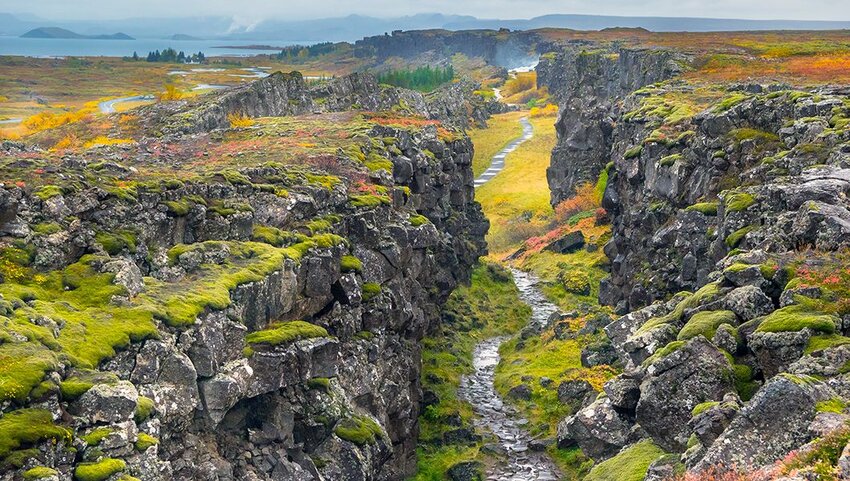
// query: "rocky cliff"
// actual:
[[728, 264], [185, 308], [283, 94], [588, 82]]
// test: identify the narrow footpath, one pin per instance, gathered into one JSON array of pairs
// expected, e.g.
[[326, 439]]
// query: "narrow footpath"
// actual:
[[498, 162], [520, 463]]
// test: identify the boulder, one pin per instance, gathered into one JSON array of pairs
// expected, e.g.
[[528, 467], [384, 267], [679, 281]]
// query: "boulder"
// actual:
[[599, 430], [520, 392], [567, 243], [108, 403], [623, 391], [776, 351], [773, 423], [465, 471], [696, 373], [574, 392], [748, 302]]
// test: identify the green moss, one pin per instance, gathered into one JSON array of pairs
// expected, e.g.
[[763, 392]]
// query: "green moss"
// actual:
[[360, 430], [27, 427], [83, 380], [670, 160], [144, 408], [285, 333], [178, 208], [47, 228], [833, 405], [634, 152], [98, 471], [375, 162], [664, 352], [705, 208], [39, 472], [323, 224], [705, 294], [418, 220], [96, 436], [370, 291], [321, 383], [734, 239], [739, 202], [795, 318], [826, 341], [744, 384], [235, 177], [703, 407], [706, 323], [369, 200], [272, 236], [47, 192], [350, 264], [739, 135], [145, 441], [629, 465], [602, 182], [730, 101], [115, 242]]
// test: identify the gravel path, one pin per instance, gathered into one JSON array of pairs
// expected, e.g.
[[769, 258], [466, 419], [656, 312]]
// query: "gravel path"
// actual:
[[498, 162], [521, 463]]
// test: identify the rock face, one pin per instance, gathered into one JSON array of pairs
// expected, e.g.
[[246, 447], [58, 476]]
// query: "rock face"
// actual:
[[334, 392], [282, 94], [587, 83], [730, 219]]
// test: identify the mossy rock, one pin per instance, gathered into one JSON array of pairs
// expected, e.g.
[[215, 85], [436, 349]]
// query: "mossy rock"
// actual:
[[796, 318], [27, 427], [286, 333], [630, 464], [739, 202], [99, 471], [704, 208], [39, 472], [706, 323], [360, 430]]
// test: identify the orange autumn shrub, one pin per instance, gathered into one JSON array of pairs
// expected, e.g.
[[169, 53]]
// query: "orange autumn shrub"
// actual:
[[586, 199]]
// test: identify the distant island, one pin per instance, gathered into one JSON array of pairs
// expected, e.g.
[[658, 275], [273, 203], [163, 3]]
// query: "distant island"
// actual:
[[61, 33], [183, 37]]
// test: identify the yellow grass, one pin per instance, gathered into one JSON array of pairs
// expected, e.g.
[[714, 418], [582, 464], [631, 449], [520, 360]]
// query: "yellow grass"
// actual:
[[488, 142], [517, 200]]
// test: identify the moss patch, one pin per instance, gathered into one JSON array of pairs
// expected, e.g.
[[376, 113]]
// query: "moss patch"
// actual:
[[360, 430], [285, 333], [27, 427], [98, 471], [39, 472], [795, 318], [739, 202], [629, 465], [705, 208], [706, 323]]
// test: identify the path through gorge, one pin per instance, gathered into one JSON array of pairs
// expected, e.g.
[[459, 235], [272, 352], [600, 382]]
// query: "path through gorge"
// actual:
[[520, 462], [498, 163]]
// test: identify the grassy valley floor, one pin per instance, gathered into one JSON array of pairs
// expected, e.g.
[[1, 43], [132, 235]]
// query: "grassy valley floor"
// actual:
[[517, 203]]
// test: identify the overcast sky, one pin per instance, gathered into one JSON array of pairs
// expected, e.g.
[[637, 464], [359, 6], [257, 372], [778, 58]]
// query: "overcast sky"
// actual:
[[299, 9]]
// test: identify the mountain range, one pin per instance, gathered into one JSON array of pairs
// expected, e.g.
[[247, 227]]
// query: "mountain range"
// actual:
[[353, 27]]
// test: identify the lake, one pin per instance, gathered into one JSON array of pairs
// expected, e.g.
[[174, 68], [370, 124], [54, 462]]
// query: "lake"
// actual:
[[45, 47]]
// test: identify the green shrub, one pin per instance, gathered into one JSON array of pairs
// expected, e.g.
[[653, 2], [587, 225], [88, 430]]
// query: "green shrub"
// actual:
[[629, 465], [705, 208], [350, 264], [285, 333], [360, 430], [706, 323], [98, 471]]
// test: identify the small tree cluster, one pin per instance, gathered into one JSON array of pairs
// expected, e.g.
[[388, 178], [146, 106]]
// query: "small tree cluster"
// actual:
[[421, 78]]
